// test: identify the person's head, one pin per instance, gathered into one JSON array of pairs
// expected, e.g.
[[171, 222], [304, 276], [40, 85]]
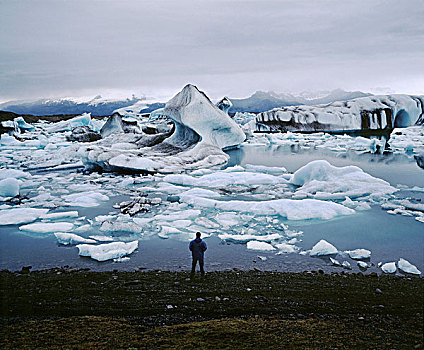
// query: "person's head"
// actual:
[[198, 234]]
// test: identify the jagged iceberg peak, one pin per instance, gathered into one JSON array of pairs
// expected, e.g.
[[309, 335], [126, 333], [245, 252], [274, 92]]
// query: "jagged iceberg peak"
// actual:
[[224, 104], [195, 114], [201, 132]]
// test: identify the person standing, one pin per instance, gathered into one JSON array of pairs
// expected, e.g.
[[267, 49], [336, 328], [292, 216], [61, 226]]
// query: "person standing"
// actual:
[[197, 248]]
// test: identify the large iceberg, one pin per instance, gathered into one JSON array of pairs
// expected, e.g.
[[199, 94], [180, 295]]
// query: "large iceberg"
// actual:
[[321, 180], [366, 113], [201, 132]]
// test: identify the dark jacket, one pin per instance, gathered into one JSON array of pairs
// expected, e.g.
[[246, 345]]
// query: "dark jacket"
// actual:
[[197, 248]]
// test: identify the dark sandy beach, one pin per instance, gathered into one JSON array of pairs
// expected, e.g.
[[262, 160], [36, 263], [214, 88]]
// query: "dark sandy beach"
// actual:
[[79, 309]]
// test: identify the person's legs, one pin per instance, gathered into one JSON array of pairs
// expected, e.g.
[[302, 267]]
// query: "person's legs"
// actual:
[[202, 270], [193, 266]]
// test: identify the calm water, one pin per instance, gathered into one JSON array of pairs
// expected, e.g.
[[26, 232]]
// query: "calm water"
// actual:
[[389, 237]]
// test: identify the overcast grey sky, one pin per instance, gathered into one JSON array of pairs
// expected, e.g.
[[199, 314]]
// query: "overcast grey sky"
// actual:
[[57, 48]]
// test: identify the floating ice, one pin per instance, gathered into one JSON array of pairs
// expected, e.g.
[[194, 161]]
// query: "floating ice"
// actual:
[[363, 264], [389, 267], [288, 208], [321, 180], [13, 173], [21, 125], [17, 216], [68, 125], [48, 227], [101, 238], [85, 199], [71, 238], [346, 265], [249, 237], [107, 251], [366, 113], [359, 254], [323, 248], [9, 187], [60, 215], [257, 245], [335, 262], [108, 226], [287, 248], [407, 267], [224, 179]]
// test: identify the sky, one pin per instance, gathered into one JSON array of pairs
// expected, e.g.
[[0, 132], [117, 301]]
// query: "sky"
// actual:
[[153, 48]]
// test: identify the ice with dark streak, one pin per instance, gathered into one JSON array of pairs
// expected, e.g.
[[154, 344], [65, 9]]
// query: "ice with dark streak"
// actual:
[[202, 131]]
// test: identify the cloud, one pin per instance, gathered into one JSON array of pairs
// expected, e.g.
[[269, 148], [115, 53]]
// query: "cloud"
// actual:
[[52, 48]]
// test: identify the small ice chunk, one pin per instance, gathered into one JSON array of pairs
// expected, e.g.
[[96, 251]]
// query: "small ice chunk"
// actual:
[[335, 262], [107, 251], [123, 259], [108, 226], [9, 187], [407, 267], [60, 215], [363, 264], [85, 199], [17, 216], [359, 254], [83, 228], [48, 227], [286, 248], [323, 248], [257, 245], [263, 258], [346, 265], [389, 267], [71, 238]]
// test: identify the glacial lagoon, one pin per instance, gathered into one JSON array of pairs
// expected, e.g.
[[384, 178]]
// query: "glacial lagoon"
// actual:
[[389, 237]]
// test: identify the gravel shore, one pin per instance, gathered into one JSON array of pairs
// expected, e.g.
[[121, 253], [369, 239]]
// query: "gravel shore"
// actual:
[[67, 308]]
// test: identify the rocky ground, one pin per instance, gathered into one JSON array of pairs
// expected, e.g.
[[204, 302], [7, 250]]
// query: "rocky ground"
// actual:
[[70, 309]]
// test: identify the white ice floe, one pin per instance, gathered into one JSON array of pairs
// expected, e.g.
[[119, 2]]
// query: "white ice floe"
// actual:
[[224, 179], [13, 173], [17, 216], [249, 237], [120, 260], [389, 267], [60, 215], [359, 254], [363, 265], [258, 245], [407, 267], [319, 179], [48, 227], [83, 228], [111, 226], [323, 248], [71, 238], [68, 125], [346, 265], [85, 199], [9, 187], [101, 238], [287, 248], [335, 262], [107, 251], [287, 208]]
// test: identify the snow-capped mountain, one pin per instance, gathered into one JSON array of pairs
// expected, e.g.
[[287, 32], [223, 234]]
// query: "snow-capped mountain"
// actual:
[[262, 101], [97, 106]]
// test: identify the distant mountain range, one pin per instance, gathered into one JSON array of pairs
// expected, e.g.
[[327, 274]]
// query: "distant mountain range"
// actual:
[[96, 106], [264, 101], [259, 102]]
